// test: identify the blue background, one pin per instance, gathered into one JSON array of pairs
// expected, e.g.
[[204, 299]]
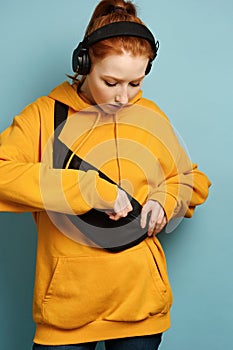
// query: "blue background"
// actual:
[[192, 82]]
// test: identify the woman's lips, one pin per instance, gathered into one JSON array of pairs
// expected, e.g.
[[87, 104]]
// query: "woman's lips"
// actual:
[[113, 107]]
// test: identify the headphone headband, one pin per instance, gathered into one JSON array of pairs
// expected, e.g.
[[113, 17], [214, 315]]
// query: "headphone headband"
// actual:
[[123, 28], [115, 29]]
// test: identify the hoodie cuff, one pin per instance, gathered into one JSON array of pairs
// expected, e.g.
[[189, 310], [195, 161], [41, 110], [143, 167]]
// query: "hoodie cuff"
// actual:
[[106, 194], [167, 201]]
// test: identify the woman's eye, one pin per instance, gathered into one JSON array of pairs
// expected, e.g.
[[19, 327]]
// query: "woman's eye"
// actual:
[[134, 84], [110, 84]]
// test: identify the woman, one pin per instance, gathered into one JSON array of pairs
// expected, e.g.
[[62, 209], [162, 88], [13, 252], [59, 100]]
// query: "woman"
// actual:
[[103, 174]]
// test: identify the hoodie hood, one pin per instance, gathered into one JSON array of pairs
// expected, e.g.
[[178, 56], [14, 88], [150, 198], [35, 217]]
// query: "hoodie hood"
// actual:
[[67, 94]]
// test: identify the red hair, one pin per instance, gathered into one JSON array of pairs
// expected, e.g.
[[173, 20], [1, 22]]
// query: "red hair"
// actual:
[[109, 11]]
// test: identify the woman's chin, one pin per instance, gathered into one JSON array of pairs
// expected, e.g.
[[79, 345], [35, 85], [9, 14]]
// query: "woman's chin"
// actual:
[[110, 108]]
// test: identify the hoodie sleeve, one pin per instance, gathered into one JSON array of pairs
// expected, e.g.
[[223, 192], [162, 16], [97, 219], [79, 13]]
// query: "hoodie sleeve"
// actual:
[[28, 184], [184, 189], [181, 186]]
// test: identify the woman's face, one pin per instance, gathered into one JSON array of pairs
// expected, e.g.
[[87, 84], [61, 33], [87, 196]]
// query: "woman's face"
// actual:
[[114, 81]]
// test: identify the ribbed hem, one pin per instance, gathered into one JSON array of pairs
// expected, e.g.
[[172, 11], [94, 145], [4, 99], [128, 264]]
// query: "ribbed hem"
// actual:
[[101, 330]]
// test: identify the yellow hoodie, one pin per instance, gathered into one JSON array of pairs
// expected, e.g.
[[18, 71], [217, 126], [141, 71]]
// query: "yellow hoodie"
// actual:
[[82, 292]]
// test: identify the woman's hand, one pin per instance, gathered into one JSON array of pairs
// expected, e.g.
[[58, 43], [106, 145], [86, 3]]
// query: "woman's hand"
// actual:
[[157, 217], [121, 207]]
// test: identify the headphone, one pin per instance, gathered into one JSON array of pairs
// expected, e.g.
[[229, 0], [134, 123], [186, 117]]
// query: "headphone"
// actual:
[[81, 62]]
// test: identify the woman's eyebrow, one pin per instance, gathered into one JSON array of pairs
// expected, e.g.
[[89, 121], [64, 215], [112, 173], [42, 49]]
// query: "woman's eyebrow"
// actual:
[[120, 80]]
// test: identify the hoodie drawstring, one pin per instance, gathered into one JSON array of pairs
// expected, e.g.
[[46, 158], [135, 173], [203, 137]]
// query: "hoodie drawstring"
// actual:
[[84, 140], [89, 134], [117, 150]]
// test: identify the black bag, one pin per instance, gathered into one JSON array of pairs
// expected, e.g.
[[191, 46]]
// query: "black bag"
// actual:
[[95, 224]]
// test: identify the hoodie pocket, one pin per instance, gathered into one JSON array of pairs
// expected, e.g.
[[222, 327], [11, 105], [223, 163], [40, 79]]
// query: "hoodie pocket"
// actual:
[[126, 286]]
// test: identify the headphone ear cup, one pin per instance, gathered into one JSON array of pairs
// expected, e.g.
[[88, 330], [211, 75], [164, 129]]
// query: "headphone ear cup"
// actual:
[[80, 60], [84, 64], [148, 68]]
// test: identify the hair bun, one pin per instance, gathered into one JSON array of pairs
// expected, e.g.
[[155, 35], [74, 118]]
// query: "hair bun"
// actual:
[[118, 9]]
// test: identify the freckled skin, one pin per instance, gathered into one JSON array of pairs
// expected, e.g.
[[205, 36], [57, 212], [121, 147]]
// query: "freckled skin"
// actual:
[[115, 80]]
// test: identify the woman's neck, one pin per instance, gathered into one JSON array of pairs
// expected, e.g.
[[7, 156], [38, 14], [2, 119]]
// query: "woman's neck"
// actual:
[[84, 92]]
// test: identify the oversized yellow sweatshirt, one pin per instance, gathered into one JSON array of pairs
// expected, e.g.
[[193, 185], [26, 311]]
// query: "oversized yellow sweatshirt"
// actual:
[[83, 292]]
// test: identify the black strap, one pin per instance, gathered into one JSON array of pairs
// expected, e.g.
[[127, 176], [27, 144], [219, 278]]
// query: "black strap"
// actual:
[[60, 113], [61, 153], [95, 222]]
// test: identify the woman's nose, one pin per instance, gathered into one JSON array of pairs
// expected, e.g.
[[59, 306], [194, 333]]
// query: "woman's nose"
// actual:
[[122, 97]]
